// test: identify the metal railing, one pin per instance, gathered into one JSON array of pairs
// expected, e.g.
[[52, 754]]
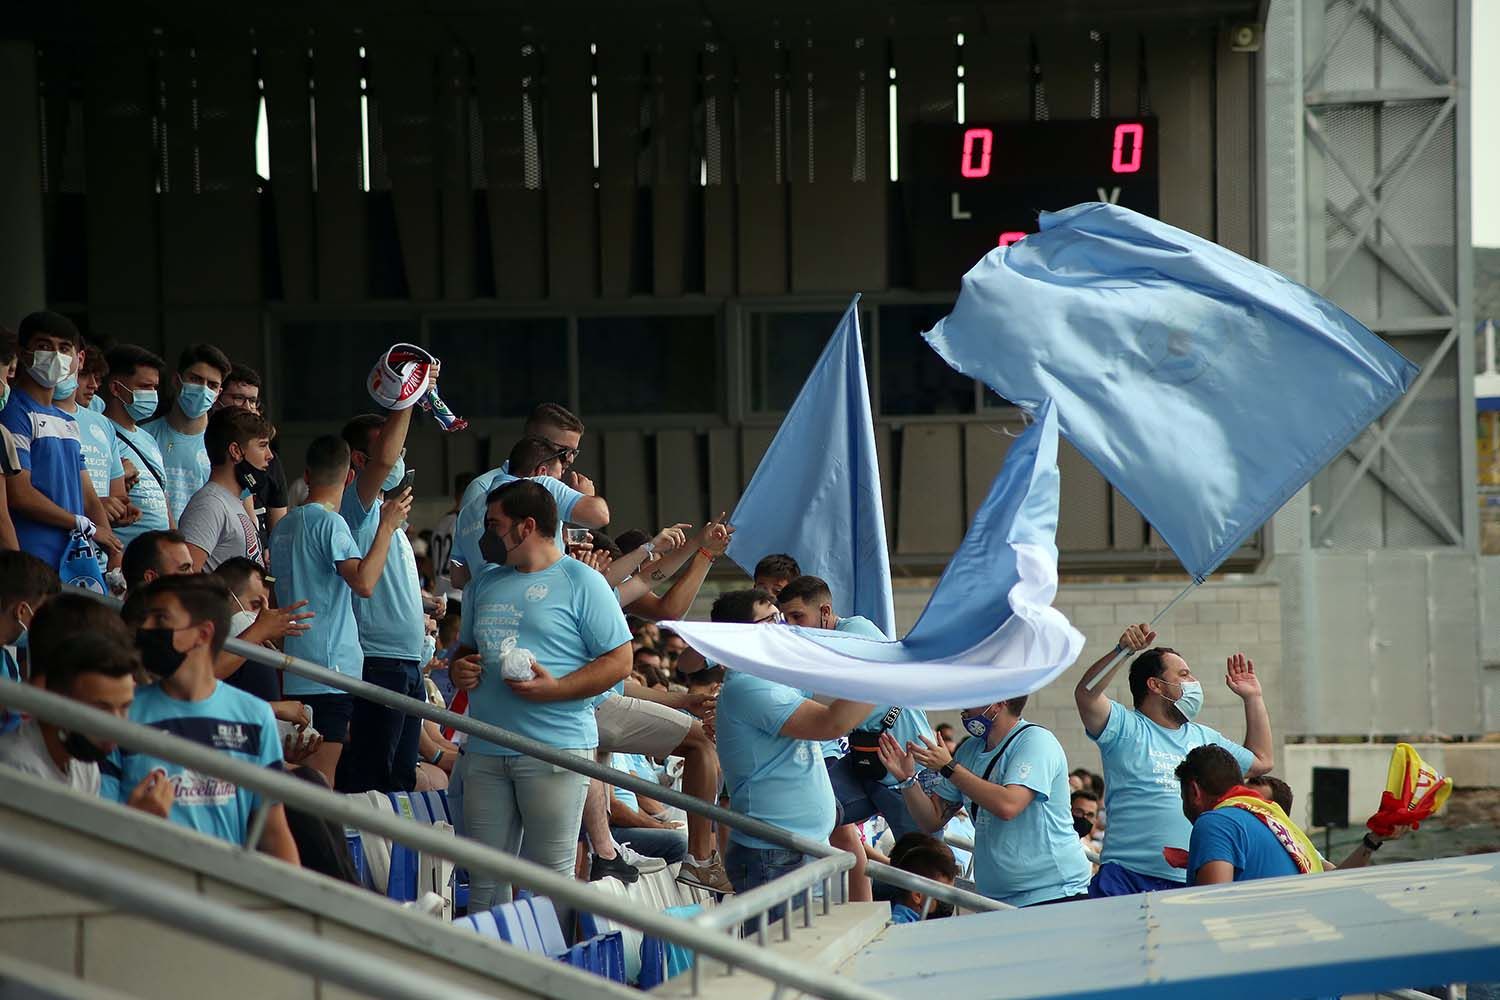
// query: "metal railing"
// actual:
[[470, 726], [278, 786], [362, 971]]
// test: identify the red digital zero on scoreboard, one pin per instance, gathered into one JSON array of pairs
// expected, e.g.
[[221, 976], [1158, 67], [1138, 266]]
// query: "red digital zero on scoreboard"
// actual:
[[980, 185]]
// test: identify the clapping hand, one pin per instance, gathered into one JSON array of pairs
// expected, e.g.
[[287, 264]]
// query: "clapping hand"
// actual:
[[933, 756], [898, 761]]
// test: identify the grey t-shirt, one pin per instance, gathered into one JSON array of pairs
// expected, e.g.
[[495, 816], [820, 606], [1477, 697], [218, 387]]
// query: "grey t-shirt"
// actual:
[[215, 521], [24, 749]]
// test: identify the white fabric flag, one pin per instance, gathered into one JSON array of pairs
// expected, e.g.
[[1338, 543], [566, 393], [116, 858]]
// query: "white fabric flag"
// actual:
[[988, 632]]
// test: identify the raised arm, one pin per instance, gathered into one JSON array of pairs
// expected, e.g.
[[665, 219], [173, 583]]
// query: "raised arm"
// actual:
[[1092, 702], [362, 574], [812, 721], [1240, 678]]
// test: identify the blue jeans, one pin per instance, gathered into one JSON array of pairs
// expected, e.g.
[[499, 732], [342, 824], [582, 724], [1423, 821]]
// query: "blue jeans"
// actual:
[[859, 799], [1113, 880], [382, 750], [748, 867], [669, 845]]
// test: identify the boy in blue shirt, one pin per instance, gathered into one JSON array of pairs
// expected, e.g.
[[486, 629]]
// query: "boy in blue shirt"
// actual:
[[1016, 777], [25, 582], [382, 749], [74, 395], [770, 747], [185, 622], [201, 371], [565, 614], [1228, 844], [808, 601], [930, 858], [52, 495], [314, 558], [1141, 749], [129, 395]]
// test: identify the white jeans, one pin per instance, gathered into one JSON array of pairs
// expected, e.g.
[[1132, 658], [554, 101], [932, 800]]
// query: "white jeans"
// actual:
[[523, 806]]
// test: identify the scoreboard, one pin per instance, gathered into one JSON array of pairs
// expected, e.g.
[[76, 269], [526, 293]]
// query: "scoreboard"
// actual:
[[978, 186]]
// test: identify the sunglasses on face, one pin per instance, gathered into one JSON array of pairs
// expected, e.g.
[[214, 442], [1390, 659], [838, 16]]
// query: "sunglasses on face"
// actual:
[[775, 618]]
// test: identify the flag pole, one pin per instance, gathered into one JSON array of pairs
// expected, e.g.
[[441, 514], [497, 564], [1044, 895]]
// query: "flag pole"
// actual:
[[1120, 654]]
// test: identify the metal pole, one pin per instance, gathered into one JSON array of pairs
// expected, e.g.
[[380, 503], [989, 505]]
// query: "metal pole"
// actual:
[[244, 930], [279, 786], [578, 765], [1121, 654]]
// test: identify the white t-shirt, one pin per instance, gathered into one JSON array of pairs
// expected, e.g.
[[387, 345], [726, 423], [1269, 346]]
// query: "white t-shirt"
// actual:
[[23, 749]]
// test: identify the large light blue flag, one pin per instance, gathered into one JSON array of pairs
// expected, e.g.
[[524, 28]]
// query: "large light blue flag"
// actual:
[[989, 631], [816, 493], [1207, 388]]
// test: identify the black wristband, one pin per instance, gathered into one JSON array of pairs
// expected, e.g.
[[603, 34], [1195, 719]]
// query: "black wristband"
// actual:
[[1371, 845], [947, 769]]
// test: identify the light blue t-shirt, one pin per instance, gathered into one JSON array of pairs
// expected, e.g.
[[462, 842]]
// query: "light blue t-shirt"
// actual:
[[636, 764], [1237, 836], [391, 622], [11, 671], [101, 449], [229, 720], [567, 616], [147, 493], [1141, 793], [769, 776], [470, 525], [1036, 856], [186, 460], [306, 548], [908, 725]]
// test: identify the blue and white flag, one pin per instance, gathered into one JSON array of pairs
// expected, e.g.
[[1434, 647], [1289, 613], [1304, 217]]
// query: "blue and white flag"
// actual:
[[989, 631], [1206, 388], [816, 493]]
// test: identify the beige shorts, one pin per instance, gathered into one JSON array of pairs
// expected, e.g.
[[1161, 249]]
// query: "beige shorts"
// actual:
[[632, 725]]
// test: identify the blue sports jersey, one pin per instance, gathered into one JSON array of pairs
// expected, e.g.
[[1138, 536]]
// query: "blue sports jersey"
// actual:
[[140, 449], [47, 444], [230, 721], [186, 460], [306, 548], [391, 621]]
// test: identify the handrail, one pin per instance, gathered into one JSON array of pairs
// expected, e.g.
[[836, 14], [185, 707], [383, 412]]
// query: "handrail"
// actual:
[[245, 930], [578, 765], [963, 843], [281, 787], [732, 912]]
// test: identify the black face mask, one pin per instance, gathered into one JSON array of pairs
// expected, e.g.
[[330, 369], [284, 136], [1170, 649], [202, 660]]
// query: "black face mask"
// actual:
[[247, 475], [158, 655], [493, 550], [81, 748], [1083, 826]]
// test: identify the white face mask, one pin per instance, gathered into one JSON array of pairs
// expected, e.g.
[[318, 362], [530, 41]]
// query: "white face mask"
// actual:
[[50, 367], [239, 621]]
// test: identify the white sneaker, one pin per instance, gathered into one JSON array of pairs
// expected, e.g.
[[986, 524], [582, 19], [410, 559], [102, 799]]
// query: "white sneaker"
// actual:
[[641, 863]]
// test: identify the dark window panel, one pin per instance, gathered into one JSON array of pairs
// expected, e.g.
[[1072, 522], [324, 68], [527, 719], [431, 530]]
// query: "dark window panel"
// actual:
[[502, 367], [649, 364]]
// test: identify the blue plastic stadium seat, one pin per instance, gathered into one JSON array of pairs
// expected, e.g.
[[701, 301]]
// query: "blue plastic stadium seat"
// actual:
[[485, 924], [355, 841], [403, 881], [549, 929]]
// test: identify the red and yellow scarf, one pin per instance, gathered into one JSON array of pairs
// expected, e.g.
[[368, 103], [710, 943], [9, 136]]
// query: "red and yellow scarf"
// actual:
[[1301, 849]]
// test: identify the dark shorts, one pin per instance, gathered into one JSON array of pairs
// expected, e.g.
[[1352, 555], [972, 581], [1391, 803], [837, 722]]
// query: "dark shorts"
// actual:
[[331, 714], [858, 799], [1113, 880]]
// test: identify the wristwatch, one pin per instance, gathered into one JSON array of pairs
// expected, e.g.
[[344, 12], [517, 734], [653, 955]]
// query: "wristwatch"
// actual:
[[1371, 845], [436, 757], [904, 784], [947, 769]]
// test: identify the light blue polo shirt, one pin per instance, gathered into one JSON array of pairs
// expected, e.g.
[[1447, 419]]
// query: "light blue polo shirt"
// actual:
[[147, 493], [230, 721], [391, 622], [1141, 793], [47, 444], [186, 461], [769, 776], [567, 616], [306, 548], [470, 523], [101, 449], [1036, 856]]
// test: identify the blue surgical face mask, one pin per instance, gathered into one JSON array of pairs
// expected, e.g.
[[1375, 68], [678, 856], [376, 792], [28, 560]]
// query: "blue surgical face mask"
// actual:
[[397, 473], [142, 403], [1190, 702], [65, 388], [195, 400]]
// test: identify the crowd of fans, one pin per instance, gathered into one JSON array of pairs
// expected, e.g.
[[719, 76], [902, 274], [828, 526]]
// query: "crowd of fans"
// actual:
[[516, 608]]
